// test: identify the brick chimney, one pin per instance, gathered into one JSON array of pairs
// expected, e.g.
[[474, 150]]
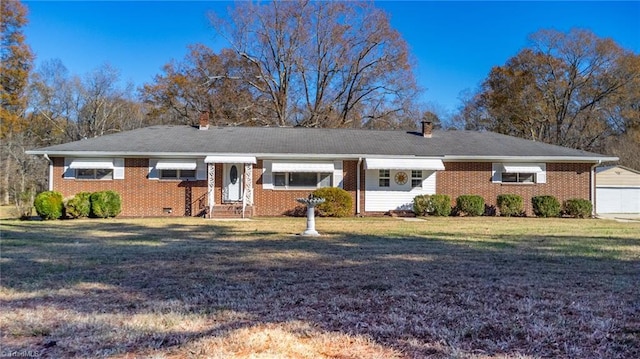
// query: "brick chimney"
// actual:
[[427, 128], [204, 120]]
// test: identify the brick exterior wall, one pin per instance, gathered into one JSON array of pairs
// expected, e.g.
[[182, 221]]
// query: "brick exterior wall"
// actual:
[[275, 202], [142, 197], [564, 181]]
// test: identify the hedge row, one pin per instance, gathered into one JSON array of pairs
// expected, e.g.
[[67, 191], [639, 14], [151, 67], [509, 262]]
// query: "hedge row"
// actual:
[[508, 205], [104, 204]]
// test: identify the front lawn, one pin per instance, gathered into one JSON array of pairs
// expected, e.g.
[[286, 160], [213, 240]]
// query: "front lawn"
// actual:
[[368, 288]]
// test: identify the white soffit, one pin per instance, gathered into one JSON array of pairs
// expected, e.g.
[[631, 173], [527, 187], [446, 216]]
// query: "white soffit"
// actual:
[[429, 164], [230, 159], [325, 167], [522, 167], [176, 165], [92, 163]]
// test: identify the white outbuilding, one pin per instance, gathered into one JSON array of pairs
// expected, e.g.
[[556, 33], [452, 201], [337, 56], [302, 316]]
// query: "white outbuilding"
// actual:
[[617, 190]]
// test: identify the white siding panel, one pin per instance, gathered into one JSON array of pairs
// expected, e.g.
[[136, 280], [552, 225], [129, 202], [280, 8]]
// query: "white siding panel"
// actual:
[[201, 170], [153, 171], [118, 168], [267, 175], [68, 171], [396, 196], [337, 174]]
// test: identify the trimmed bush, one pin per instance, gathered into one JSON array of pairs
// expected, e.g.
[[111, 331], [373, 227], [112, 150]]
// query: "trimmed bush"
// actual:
[[470, 205], [545, 206], [577, 207], [79, 206], [105, 204], [337, 202], [440, 205], [510, 205], [435, 205], [49, 205], [422, 205]]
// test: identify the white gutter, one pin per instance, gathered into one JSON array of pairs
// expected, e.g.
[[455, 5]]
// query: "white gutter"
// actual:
[[576, 159], [50, 171], [593, 188], [358, 185], [336, 156]]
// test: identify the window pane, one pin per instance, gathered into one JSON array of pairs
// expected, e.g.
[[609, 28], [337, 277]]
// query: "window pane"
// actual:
[[83, 173], [384, 173], [416, 174], [526, 177], [509, 177], [168, 174], [383, 182], [279, 179], [187, 173], [416, 183], [303, 179], [104, 174], [325, 180]]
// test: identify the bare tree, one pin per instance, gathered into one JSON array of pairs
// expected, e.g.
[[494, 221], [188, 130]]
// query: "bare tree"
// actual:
[[572, 89], [323, 64], [205, 81]]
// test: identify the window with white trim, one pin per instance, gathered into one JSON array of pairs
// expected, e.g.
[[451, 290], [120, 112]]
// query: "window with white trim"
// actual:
[[384, 178], [517, 177], [296, 180], [94, 173], [177, 174], [523, 173], [416, 178]]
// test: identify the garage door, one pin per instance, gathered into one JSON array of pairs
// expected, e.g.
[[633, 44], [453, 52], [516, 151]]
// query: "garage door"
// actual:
[[617, 200]]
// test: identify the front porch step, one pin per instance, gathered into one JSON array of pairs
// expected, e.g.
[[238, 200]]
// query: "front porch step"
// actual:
[[231, 211]]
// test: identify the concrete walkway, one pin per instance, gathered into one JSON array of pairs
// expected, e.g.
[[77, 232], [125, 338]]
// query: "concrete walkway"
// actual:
[[621, 217]]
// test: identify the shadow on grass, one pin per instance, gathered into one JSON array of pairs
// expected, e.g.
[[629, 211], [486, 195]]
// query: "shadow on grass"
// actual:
[[429, 294]]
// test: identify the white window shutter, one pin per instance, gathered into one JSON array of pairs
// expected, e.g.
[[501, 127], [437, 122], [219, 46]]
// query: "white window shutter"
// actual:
[[201, 170], [267, 176], [118, 168], [496, 174], [337, 174], [541, 177], [153, 171], [68, 172]]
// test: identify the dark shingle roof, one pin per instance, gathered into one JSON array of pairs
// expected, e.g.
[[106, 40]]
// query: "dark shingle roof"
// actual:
[[186, 140]]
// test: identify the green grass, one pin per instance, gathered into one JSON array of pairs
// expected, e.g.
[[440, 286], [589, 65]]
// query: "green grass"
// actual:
[[367, 288]]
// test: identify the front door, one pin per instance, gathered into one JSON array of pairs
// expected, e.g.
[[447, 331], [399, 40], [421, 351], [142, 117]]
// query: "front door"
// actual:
[[232, 182]]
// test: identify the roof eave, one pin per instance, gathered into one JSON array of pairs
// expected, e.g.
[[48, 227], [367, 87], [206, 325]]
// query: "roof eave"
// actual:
[[586, 159]]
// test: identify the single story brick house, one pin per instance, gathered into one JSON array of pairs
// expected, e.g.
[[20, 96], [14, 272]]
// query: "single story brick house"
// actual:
[[260, 171]]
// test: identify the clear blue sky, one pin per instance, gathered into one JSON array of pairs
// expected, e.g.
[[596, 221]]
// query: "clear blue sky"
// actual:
[[455, 44]]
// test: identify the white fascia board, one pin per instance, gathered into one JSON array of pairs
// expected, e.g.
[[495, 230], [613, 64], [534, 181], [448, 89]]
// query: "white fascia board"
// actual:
[[529, 159]]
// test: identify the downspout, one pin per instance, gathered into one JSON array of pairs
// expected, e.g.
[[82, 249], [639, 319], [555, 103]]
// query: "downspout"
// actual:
[[593, 188], [358, 186], [46, 156]]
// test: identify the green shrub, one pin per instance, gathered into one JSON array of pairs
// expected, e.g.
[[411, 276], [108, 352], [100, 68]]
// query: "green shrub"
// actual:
[[422, 205], [470, 205], [510, 205], [434, 205], [105, 204], [545, 206], [577, 207], [78, 206], [440, 205], [49, 205], [337, 202]]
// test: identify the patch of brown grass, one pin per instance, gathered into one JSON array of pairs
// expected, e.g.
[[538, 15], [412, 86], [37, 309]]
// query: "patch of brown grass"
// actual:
[[367, 288]]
